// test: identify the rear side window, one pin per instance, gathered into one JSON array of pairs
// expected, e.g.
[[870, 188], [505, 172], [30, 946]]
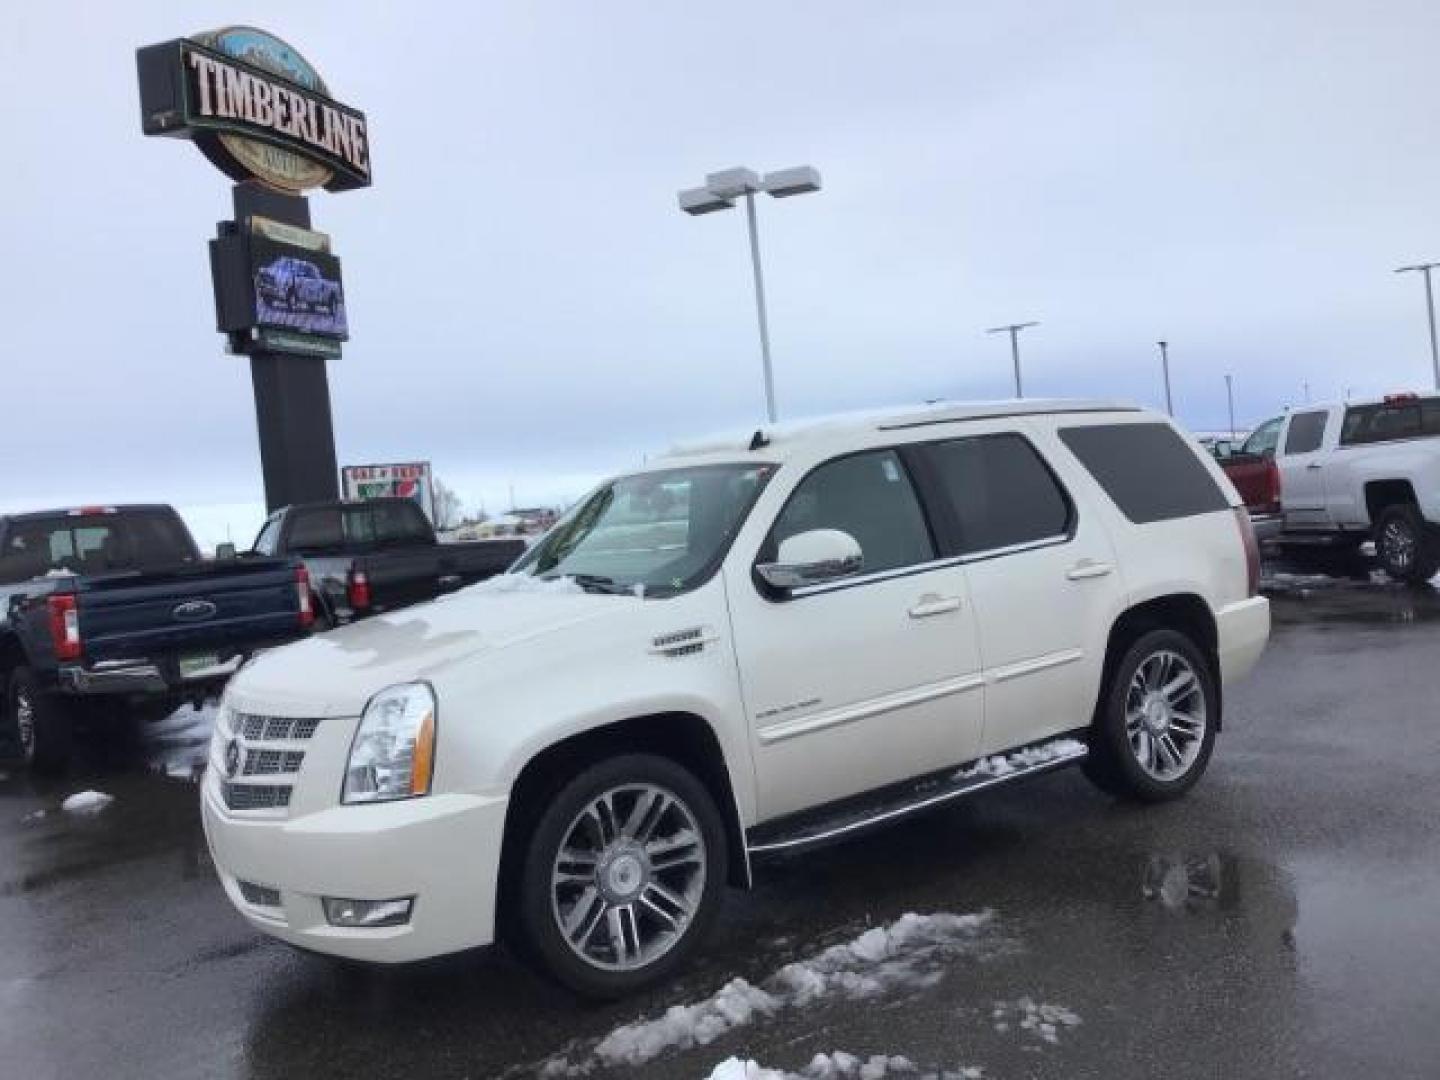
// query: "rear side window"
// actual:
[[867, 495], [1149, 471], [1000, 490], [315, 530], [1307, 431], [1381, 423]]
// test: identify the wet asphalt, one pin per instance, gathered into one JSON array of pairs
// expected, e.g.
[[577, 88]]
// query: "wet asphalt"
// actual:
[[1283, 920]]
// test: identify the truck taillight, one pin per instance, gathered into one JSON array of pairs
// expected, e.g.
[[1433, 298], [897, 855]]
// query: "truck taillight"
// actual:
[[1252, 551], [65, 627], [359, 590], [302, 590], [1272, 485]]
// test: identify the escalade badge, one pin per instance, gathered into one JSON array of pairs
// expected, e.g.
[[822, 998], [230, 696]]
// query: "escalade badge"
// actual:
[[232, 758]]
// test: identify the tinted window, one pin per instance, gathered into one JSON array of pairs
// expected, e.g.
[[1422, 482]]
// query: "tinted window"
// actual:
[[1148, 470], [80, 545], [315, 530], [1263, 439], [400, 522], [868, 496], [1001, 491], [1306, 432], [159, 540], [359, 525], [1402, 420]]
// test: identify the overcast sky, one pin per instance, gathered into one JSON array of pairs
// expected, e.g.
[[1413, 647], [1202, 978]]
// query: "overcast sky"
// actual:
[[528, 306]]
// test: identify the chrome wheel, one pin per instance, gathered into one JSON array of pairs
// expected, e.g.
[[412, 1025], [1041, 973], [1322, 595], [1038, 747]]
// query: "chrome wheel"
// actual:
[[1397, 546], [1165, 715], [628, 877], [25, 723]]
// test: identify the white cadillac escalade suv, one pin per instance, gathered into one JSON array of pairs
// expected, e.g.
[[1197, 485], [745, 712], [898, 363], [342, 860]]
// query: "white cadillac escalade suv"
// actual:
[[746, 647]]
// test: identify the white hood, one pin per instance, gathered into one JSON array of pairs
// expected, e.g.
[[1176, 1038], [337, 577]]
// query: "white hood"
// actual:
[[335, 674]]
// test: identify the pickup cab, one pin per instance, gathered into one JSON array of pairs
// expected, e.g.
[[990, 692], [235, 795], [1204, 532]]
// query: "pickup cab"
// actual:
[[1252, 469], [748, 647], [106, 606], [1365, 470], [369, 556]]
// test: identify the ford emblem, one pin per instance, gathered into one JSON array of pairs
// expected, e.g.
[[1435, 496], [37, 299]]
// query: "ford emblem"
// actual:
[[232, 758], [194, 611]]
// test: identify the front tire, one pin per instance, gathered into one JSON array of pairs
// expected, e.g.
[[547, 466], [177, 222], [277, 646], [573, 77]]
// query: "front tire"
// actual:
[[41, 726], [622, 876], [1155, 728], [1404, 547]]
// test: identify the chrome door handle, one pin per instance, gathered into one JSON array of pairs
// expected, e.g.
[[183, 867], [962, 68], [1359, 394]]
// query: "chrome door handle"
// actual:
[[1088, 568], [934, 605]]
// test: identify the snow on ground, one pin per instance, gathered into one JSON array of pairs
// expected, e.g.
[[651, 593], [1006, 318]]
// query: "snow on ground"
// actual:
[[1004, 764], [910, 953], [87, 802], [1033, 1018]]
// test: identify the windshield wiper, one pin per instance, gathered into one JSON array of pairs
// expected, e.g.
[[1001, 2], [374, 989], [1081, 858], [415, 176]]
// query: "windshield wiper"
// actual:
[[596, 583]]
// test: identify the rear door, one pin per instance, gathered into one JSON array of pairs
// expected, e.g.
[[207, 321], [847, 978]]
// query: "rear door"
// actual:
[[1041, 575], [1302, 458]]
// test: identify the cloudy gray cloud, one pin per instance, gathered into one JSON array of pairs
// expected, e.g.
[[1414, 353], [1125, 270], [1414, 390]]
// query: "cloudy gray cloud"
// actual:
[[528, 305]]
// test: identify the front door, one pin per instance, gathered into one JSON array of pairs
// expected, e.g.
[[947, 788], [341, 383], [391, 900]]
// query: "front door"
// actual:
[[867, 680], [1302, 469]]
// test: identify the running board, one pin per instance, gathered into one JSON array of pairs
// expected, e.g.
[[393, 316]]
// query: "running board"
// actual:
[[811, 828]]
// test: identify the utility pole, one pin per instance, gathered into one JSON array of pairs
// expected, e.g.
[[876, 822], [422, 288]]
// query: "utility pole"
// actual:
[[1230, 400], [1013, 329], [1425, 269], [1165, 368]]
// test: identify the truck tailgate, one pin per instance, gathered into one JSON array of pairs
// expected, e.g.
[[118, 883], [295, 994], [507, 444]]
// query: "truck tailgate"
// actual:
[[210, 608]]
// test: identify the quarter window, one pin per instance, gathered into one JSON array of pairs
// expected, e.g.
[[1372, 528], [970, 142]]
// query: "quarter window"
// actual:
[[1148, 470], [869, 496], [1001, 491], [1307, 430]]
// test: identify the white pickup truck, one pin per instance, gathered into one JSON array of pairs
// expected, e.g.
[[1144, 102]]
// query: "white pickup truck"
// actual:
[[1365, 470]]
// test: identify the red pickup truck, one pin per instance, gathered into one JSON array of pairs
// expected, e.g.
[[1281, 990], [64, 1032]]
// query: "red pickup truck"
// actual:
[[1251, 468]]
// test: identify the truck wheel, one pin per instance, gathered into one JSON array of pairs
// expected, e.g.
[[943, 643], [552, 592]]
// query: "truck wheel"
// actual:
[[1403, 547], [41, 724], [622, 876], [1155, 726]]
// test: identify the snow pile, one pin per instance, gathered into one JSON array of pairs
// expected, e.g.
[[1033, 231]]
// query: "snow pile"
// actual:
[[527, 583], [1004, 764], [60, 572], [87, 802], [1033, 1018], [909, 953], [836, 1066]]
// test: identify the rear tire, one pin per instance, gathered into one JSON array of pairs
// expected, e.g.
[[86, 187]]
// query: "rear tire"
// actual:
[[41, 725], [1404, 546], [1154, 730], [639, 884]]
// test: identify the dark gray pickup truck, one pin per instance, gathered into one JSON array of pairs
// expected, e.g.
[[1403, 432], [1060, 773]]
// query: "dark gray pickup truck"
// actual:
[[106, 608], [375, 555]]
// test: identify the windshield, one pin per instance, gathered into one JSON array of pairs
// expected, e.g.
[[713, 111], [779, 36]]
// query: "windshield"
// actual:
[[655, 534]]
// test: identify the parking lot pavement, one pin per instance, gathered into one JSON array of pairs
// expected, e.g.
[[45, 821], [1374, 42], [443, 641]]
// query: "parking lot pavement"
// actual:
[[1284, 920]]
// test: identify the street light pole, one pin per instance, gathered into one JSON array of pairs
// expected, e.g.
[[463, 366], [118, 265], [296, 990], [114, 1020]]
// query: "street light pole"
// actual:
[[1230, 400], [760, 305], [1425, 269], [1013, 329], [719, 193], [1165, 367]]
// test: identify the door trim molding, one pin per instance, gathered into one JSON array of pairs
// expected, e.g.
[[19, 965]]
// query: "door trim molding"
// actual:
[[1036, 665], [849, 714]]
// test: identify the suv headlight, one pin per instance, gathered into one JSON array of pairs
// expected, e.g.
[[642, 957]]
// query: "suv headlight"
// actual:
[[393, 755]]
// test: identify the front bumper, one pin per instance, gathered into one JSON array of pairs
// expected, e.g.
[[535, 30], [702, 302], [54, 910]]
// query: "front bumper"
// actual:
[[444, 850], [1242, 630]]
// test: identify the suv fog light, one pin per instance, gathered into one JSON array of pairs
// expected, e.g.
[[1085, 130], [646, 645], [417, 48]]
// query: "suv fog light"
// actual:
[[368, 912]]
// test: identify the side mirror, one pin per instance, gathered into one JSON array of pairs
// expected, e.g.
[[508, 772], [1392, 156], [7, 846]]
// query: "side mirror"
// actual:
[[225, 551], [813, 558]]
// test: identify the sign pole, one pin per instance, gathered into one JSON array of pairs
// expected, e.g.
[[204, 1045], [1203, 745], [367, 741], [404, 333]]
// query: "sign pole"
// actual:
[[292, 392]]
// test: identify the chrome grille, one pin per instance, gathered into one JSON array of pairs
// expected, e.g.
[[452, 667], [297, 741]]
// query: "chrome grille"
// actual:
[[272, 762], [255, 796], [272, 728], [259, 895]]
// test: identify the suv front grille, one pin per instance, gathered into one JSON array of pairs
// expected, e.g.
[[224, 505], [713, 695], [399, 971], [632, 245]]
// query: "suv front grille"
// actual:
[[250, 736]]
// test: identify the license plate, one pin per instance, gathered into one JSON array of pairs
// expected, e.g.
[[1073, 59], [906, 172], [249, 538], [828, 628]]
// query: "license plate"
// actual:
[[191, 666]]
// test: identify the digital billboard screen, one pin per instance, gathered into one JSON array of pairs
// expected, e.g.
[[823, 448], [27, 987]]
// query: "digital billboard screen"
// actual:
[[297, 288]]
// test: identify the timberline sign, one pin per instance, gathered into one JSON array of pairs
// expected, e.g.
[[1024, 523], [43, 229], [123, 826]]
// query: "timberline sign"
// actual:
[[256, 108]]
